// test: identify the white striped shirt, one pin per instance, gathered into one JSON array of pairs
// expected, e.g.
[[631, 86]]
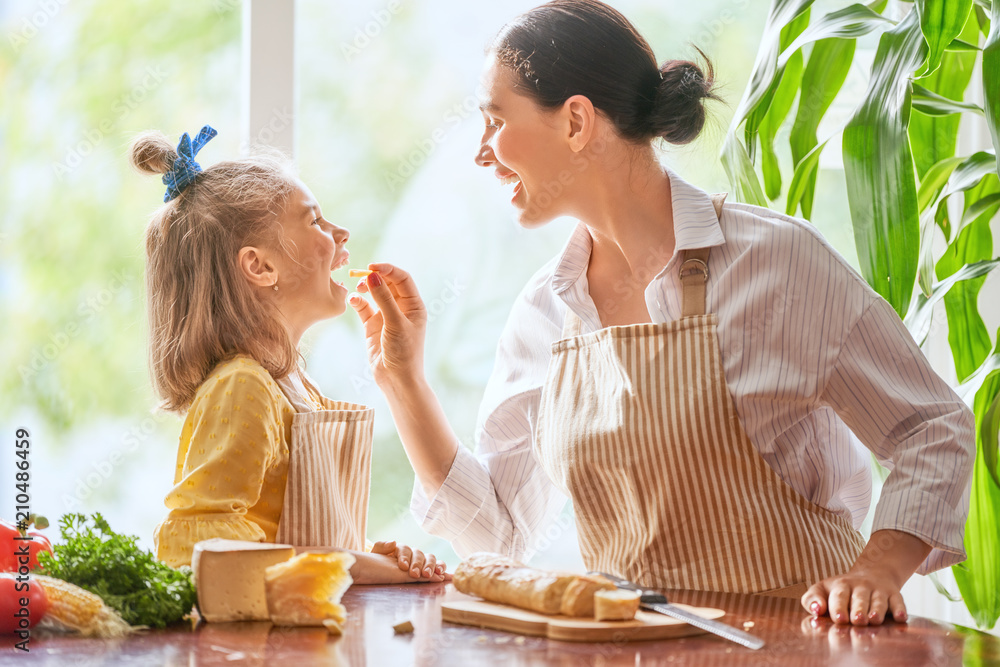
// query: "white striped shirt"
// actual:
[[811, 353]]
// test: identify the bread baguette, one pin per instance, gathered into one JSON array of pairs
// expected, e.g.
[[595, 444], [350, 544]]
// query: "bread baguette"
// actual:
[[500, 579]]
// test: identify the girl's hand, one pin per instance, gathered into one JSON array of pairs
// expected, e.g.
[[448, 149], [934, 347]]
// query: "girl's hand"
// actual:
[[413, 561], [870, 590], [395, 333]]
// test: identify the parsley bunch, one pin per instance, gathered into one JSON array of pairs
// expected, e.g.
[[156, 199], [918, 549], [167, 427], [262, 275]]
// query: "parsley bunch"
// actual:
[[144, 590]]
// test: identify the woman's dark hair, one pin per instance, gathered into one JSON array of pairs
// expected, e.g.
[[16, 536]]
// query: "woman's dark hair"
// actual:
[[584, 47]]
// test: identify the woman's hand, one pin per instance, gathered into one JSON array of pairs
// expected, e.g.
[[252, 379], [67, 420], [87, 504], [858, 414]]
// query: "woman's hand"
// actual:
[[413, 561], [871, 589], [395, 333]]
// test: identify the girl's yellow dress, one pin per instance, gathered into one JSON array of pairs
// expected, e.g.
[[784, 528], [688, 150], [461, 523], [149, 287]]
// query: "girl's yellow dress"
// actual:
[[232, 462]]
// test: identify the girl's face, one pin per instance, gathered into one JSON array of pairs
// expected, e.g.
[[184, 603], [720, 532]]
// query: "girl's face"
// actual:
[[525, 145], [311, 248]]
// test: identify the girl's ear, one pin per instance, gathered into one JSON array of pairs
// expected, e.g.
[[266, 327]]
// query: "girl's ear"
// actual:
[[257, 268]]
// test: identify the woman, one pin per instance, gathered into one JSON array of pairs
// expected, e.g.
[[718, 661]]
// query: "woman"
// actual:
[[689, 374]]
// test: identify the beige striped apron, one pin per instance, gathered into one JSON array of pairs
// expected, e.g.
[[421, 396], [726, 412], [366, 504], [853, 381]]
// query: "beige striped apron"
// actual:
[[637, 426], [329, 471]]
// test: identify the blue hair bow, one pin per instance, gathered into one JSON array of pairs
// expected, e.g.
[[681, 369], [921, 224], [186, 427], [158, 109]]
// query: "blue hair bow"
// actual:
[[184, 170]]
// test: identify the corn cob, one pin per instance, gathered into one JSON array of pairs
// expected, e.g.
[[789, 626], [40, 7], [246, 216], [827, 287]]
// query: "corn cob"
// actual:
[[72, 608]]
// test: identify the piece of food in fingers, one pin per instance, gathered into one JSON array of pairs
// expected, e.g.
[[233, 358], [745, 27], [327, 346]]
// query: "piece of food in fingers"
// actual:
[[359, 273], [500, 579]]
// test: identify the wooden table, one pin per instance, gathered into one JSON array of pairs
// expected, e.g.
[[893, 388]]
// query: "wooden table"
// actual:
[[793, 638]]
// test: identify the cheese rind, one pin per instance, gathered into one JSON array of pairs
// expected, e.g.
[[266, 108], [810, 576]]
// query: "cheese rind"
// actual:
[[615, 605], [306, 590], [229, 578]]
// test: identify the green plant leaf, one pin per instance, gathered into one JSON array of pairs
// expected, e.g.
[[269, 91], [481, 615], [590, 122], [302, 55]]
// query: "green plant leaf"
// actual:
[[934, 180], [991, 79], [982, 207], [824, 75], [934, 138], [941, 21], [967, 175], [918, 316], [742, 177], [803, 179], [881, 185], [768, 116], [967, 333], [925, 264], [932, 104], [781, 104], [774, 106], [765, 67], [758, 93], [961, 45], [941, 588], [978, 577], [968, 389], [850, 22]]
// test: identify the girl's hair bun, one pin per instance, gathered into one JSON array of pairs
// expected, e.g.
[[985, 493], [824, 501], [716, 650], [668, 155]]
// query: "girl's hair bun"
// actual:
[[152, 153], [678, 113]]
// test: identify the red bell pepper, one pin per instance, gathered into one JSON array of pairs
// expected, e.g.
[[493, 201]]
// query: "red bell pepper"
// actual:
[[15, 547], [15, 616]]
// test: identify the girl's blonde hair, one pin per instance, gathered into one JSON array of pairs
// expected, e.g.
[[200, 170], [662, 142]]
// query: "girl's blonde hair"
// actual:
[[201, 309]]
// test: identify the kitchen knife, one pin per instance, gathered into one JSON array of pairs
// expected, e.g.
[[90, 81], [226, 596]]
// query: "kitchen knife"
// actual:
[[653, 601]]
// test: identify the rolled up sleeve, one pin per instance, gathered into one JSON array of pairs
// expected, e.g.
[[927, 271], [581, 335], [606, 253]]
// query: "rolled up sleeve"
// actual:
[[885, 390]]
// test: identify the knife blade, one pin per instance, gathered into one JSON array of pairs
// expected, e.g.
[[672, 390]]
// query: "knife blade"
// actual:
[[654, 601]]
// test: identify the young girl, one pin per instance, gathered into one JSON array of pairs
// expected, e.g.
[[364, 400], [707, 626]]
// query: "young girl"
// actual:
[[238, 267]]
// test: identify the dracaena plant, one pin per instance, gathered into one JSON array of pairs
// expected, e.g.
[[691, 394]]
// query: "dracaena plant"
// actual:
[[907, 188]]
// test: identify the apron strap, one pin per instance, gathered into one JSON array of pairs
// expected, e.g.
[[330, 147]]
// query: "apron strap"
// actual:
[[294, 389], [572, 324], [694, 272]]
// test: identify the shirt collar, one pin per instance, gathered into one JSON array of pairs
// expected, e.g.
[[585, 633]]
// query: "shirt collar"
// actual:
[[695, 226]]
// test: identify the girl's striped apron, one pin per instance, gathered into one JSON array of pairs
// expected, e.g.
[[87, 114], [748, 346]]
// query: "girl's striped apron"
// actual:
[[637, 426], [329, 471]]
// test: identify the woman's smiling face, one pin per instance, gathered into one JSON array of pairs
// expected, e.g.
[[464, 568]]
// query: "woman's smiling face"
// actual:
[[526, 147]]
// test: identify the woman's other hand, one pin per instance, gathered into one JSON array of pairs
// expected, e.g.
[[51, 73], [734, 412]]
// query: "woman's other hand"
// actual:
[[871, 588], [395, 332]]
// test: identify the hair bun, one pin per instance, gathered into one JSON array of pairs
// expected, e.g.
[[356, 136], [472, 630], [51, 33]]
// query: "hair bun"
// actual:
[[152, 153], [679, 111]]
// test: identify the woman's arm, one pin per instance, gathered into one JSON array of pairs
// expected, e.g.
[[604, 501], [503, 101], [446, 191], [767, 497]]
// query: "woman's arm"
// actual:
[[495, 501], [395, 338], [885, 390]]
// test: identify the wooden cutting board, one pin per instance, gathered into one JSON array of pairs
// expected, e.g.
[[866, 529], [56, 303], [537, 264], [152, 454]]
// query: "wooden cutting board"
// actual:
[[645, 626]]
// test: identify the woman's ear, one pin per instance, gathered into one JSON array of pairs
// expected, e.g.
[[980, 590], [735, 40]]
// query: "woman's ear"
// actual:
[[256, 268], [582, 118]]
